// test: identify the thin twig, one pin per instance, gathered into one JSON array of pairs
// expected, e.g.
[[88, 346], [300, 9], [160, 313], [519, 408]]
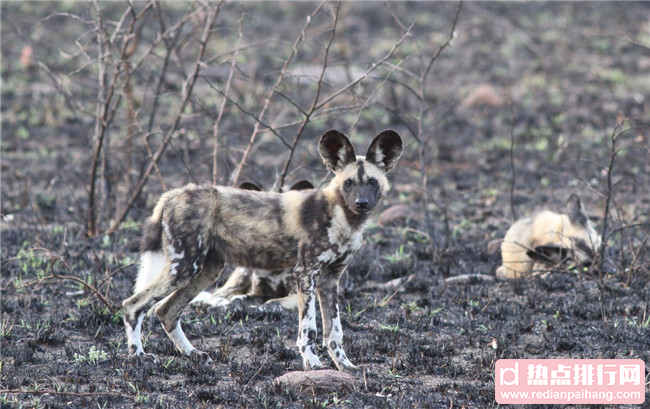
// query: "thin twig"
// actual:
[[424, 107], [372, 68], [215, 129], [513, 178], [266, 359], [445, 44], [171, 33], [370, 97], [312, 108], [61, 393], [627, 226], [608, 196], [267, 101], [54, 258], [170, 36], [99, 129], [386, 300], [635, 259], [104, 114], [187, 92], [267, 127]]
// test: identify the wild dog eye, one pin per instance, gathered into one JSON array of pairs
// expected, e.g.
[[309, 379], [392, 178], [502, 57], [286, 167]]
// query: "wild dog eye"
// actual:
[[372, 181], [348, 182]]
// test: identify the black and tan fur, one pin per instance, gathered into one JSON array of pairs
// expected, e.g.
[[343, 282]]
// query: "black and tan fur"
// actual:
[[194, 231], [253, 286], [548, 240]]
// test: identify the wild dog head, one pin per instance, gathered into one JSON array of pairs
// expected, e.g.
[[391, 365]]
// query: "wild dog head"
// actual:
[[577, 239], [361, 180]]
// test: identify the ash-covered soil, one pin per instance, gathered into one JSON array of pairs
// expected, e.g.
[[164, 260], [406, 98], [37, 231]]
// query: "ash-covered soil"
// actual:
[[554, 78]]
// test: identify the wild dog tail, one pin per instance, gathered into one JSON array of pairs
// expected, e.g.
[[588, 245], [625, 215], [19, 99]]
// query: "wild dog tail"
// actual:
[[152, 258]]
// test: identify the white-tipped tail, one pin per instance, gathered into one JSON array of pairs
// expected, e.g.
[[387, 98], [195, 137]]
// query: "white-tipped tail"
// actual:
[[152, 264]]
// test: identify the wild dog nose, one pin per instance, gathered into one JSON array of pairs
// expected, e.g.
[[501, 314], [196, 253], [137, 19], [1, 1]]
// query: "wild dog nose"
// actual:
[[362, 204]]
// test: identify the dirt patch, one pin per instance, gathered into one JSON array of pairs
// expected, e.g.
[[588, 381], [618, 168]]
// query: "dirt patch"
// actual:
[[554, 78]]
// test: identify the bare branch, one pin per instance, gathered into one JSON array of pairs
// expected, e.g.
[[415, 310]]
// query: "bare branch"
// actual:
[[54, 258], [445, 44], [187, 92], [237, 105], [422, 127], [215, 129], [513, 178], [608, 196], [104, 114], [363, 76], [370, 97], [308, 114], [267, 102]]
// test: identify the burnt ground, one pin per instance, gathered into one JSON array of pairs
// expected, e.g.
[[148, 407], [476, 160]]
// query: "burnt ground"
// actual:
[[554, 78]]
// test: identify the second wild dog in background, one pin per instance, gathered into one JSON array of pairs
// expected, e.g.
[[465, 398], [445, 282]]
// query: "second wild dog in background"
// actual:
[[548, 239], [256, 285], [194, 231]]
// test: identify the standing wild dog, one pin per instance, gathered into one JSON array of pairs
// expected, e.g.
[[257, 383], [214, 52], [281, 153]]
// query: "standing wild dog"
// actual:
[[254, 285], [195, 230], [247, 284], [548, 239]]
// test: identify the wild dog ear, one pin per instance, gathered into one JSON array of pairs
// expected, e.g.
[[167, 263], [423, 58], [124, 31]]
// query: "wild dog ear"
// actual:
[[250, 186], [576, 212], [302, 185], [550, 255], [336, 150], [385, 150]]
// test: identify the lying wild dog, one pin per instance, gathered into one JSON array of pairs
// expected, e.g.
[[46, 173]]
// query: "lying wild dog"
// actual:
[[195, 230], [547, 240], [249, 285]]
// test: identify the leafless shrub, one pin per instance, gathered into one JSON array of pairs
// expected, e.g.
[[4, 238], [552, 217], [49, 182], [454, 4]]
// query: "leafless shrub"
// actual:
[[624, 230], [415, 78], [197, 86], [165, 73]]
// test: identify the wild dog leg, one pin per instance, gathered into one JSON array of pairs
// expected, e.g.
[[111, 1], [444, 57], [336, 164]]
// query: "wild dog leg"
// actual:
[[307, 318], [136, 307], [169, 311], [290, 302], [332, 331], [238, 283]]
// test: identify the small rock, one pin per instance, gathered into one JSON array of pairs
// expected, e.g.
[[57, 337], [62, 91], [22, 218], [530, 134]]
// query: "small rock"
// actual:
[[325, 380], [494, 246], [483, 95], [395, 215], [26, 56]]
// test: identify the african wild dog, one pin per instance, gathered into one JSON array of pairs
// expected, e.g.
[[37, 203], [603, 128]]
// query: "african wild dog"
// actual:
[[254, 285], [244, 284], [548, 239], [195, 230]]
